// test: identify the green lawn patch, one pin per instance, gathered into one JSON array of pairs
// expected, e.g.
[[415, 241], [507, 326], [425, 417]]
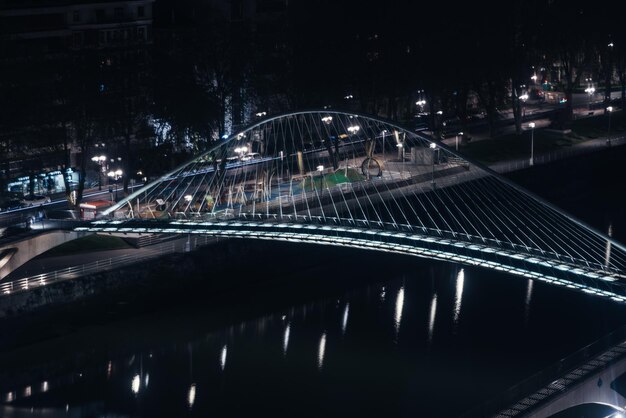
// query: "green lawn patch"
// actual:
[[508, 147], [333, 179], [88, 244], [598, 126], [511, 146]]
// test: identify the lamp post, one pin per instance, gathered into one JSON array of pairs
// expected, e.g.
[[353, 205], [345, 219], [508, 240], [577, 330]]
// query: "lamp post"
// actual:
[[320, 169], [421, 104], [354, 129], [523, 98], [116, 175], [241, 151], [401, 154], [457, 140], [532, 143], [383, 133], [99, 159], [608, 138], [433, 147], [590, 90]]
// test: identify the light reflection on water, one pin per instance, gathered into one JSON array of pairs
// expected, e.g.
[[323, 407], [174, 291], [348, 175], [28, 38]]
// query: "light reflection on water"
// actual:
[[431, 317], [191, 396], [321, 351], [398, 312], [223, 357], [286, 339], [458, 296], [257, 347], [529, 295], [607, 257]]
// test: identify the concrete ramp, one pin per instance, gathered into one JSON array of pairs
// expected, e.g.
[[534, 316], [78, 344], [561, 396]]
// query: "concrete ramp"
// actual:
[[14, 254]]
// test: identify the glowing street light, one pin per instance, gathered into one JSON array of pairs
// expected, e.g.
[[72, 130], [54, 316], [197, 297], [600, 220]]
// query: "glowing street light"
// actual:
[[433, 147], [353, 129], [320, 169], [590, 90], [261, 114], [531, 125], [457, 139], [241, 151], [383, 133], [327, 119], [115, 175], [401, 154], [99, 159], [608, 138], [523, 98]]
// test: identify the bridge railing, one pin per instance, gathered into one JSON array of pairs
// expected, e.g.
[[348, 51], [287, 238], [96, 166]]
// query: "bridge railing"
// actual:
[[111, 263], [552, 378], [442, 234]]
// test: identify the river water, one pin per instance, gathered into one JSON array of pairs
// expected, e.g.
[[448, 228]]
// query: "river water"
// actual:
[[360, 334]]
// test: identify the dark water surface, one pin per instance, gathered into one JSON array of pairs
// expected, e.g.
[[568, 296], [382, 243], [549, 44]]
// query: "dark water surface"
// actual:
[[362, 334]]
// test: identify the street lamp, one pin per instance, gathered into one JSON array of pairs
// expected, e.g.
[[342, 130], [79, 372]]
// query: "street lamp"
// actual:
[[421, 104], [457, 140], [99, 159], [353, 129], [608, 138], [115, 175], [532, 142], [241, 151], [433, 147], [320, 169], [590, 90], [383, 133], [523, 98]]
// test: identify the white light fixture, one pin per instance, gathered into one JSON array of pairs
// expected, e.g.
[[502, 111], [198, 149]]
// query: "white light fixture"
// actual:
[[610, 108], [327, 119], [531, 124], [353, 129], [433, 145]]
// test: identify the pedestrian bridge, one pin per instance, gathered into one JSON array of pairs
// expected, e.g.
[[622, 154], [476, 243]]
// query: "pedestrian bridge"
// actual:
[[347, 179]]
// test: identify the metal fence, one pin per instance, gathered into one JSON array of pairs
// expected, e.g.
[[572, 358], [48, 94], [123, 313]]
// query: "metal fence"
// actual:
[[541, 387], [111, 263]]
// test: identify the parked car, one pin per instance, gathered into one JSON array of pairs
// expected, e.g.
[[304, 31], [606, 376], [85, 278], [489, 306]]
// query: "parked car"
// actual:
[[251, 156], [35, 199]]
